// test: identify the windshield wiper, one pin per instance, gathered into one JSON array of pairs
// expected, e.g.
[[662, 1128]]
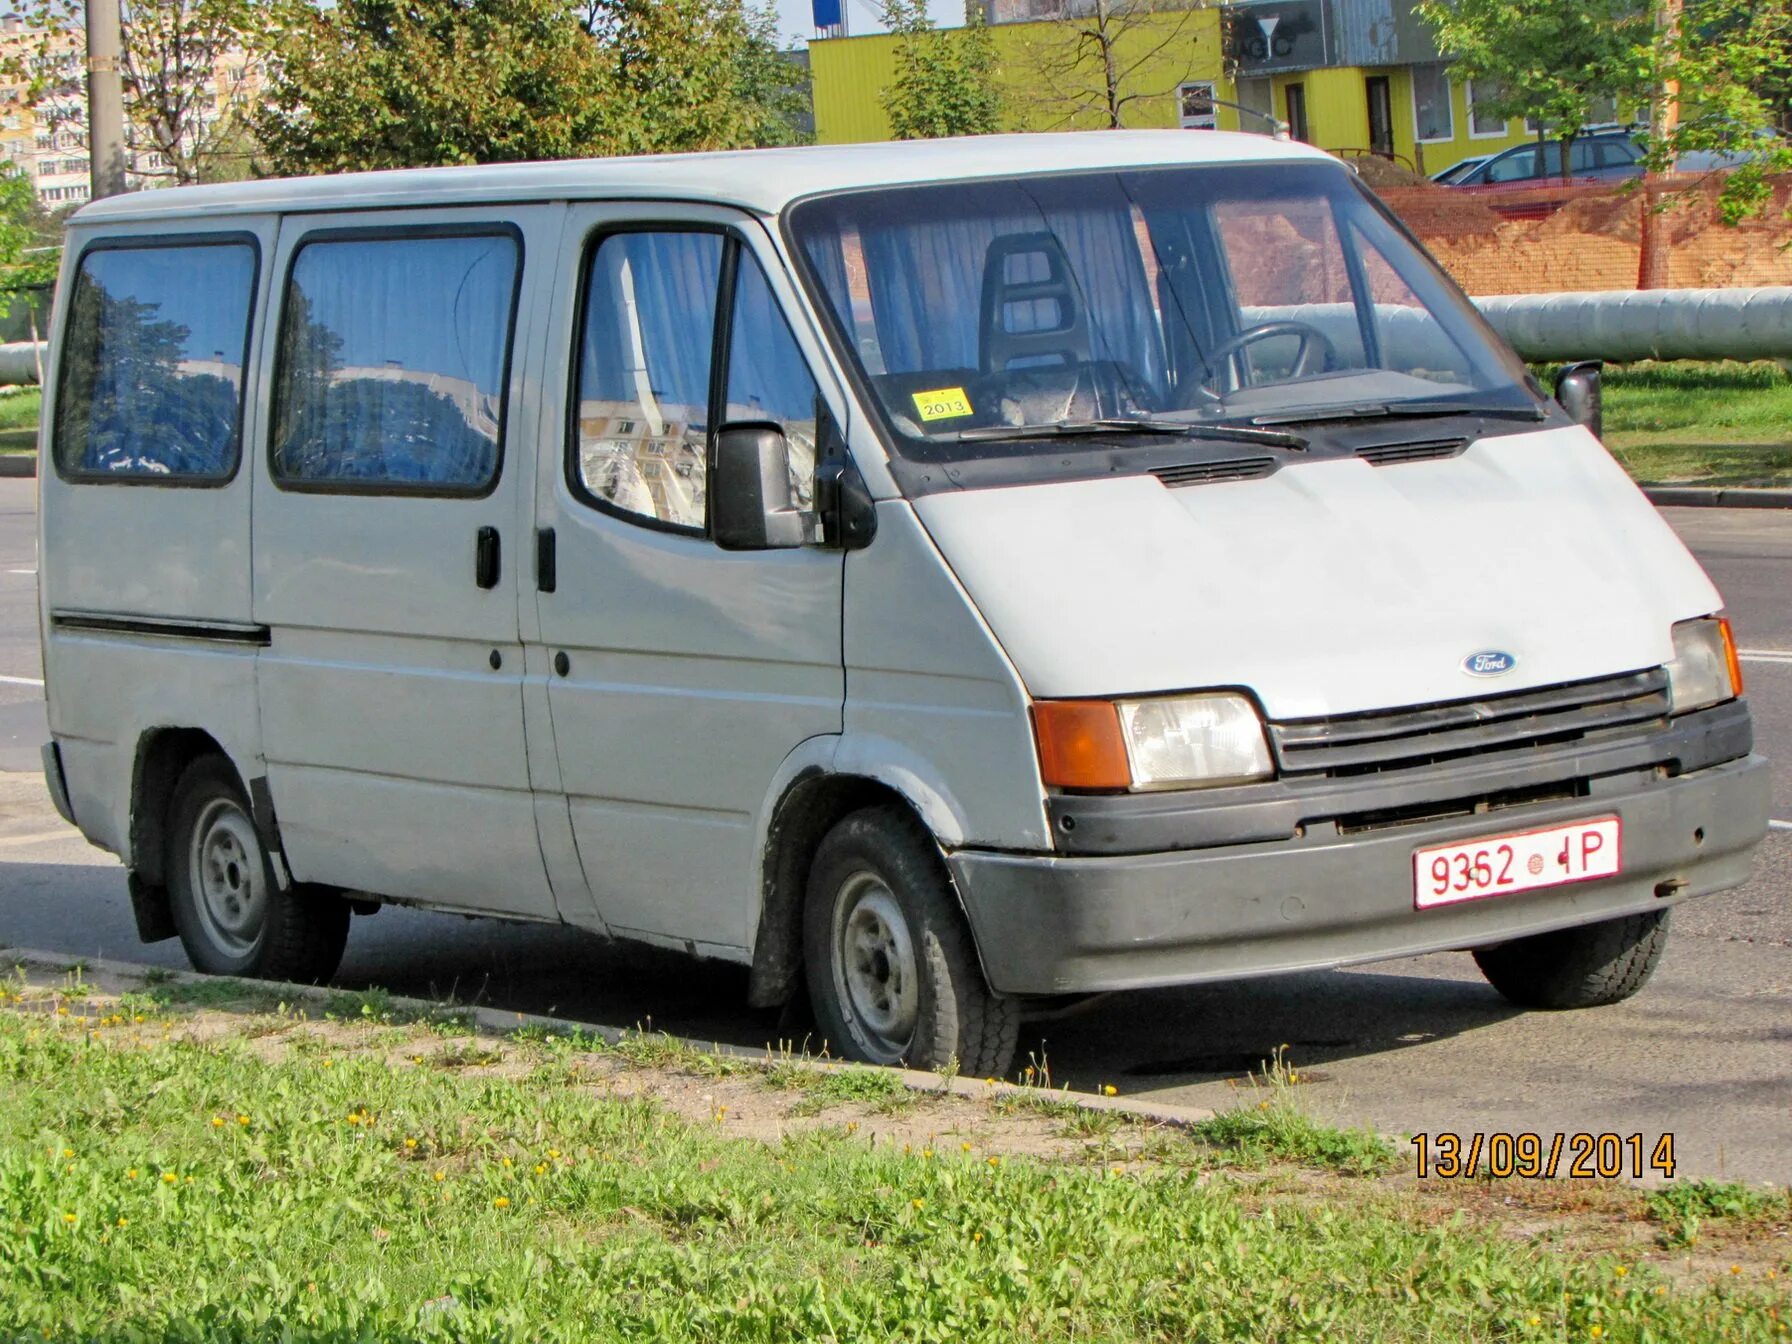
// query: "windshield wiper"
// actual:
[[1378, 409], [1184, 429]]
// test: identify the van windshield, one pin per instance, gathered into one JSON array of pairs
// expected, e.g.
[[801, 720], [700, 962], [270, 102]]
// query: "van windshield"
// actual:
[[1146, 299]]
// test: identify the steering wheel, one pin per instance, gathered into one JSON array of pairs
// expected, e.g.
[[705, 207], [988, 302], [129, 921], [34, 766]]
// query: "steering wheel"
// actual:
[[1311, 356]]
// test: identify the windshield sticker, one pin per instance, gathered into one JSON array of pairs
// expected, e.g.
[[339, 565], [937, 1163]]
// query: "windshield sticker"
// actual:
[[945, 403]]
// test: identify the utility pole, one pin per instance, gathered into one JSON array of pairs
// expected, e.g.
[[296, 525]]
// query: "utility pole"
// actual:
[[105, 97]]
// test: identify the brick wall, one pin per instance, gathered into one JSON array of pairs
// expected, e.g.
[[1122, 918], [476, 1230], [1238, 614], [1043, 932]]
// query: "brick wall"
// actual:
[[1586, 238]]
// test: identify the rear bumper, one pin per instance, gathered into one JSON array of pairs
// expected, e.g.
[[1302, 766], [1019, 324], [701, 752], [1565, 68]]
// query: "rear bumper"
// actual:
[[1047, 924]]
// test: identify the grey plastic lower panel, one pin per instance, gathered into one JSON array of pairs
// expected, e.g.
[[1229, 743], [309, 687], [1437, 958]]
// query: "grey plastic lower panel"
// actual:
[[1050, 925]]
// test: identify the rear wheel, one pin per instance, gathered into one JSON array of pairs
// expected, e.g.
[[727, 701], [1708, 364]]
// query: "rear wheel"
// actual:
[[232, 916], [892, 971], [1584, 967]]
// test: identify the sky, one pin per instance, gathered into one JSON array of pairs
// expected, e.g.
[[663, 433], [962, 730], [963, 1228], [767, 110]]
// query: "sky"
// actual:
[[795, 17]]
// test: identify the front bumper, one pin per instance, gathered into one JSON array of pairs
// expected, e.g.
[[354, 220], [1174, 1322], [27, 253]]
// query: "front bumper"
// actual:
[[1048, 924]]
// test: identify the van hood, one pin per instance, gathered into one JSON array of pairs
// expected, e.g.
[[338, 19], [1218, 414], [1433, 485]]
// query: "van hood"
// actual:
[[1330, 587]]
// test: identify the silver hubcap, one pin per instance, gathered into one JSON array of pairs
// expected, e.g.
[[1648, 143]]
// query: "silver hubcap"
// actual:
[[228, 878], [875, 972]]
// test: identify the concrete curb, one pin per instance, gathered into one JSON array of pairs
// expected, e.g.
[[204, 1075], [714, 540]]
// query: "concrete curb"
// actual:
[[1717, 497], [18, 464], [499, 1022]]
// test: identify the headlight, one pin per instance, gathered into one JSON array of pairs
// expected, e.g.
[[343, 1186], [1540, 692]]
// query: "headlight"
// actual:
[[1166, 742], [1705, 670]]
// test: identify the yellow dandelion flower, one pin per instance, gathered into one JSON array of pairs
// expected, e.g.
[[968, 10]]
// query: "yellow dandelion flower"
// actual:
[[1621, 1270], [242, 1119], [994, 1161], [410, 1143], [507, 1162], [918, 1203], [70, 1168], [964, 1147], [68, 1217], [68, 1152], [1109, 1090], [131, 1175], [926, 1153], [554, 1153], [170, 1177], [541, 1168], [124, 1222], [976, 1236], [441, 1175], [1735, 1269], [1596, 1331], [1534, 1320], [501, 1202], [217, 1122]]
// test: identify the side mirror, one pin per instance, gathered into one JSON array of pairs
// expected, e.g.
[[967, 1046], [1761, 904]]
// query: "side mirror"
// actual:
[[749, 490], [1578, 393]]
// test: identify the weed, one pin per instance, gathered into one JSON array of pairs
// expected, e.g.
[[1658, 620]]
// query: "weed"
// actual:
[[1684, 1206], [1274, 1125], [882, 1090], [465, 1055]]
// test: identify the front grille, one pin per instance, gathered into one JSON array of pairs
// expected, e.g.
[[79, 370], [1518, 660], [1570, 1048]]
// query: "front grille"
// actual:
[[1394, 454], [1208, 473], [1405, 739]]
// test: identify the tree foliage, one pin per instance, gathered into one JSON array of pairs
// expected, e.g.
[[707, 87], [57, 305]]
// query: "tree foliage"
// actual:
[[945, 81], [1718, 65], [400, 83], [190, 73]]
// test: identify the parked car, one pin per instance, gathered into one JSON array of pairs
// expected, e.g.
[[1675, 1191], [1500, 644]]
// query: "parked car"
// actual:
[[1594, 157], [1460, 169], [953, 576]]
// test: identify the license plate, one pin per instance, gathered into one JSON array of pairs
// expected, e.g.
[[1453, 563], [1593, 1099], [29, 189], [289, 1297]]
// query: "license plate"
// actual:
[[1522, 861]]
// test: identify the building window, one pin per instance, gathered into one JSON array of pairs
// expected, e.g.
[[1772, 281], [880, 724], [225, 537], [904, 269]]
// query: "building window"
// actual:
[[152, 368], [1432, 118], [393, 357], [1295, 98], [1195, 102], [1482, 124]]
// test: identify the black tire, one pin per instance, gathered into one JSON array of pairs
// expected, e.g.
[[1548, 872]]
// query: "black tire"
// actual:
[[1584, 967], [880, 868], [232, 916]]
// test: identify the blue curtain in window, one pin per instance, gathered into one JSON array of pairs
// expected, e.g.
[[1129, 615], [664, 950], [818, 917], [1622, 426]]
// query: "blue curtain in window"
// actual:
[[674, 279], [393, 358]]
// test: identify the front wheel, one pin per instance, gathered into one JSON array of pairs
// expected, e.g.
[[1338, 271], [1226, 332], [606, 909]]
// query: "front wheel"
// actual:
[[233, 918], [891, 968], [1584, 967]]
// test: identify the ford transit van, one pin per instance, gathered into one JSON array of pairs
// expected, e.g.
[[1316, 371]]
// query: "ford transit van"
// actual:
[[947, 578]]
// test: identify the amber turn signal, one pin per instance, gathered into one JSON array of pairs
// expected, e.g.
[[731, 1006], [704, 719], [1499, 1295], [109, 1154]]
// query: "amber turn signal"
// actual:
[[1723, 624], [1080, 746]]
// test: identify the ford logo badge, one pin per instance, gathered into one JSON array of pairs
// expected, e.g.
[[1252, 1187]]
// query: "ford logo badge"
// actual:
[[1489, 663]]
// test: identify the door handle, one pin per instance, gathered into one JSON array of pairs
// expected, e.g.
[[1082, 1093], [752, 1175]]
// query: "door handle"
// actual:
[[546, 575], [485, 557]]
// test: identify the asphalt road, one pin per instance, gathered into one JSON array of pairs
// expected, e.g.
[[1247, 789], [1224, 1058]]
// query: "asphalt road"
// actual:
[[1704, 1052]]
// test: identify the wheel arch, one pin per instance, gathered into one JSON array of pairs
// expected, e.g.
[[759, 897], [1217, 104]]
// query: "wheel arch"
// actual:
[[824, 781]]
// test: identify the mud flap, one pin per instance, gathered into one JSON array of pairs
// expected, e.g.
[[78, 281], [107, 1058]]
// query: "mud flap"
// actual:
[[149, 903]]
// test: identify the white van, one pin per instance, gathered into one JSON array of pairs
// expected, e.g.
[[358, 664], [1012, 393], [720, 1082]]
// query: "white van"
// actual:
[[953, 577]]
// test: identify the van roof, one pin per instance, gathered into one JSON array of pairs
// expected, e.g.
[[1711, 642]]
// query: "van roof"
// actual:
[[762, 180]]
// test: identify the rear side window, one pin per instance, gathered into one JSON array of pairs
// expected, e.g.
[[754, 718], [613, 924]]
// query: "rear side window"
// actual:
[[394, 354], [152, 363]]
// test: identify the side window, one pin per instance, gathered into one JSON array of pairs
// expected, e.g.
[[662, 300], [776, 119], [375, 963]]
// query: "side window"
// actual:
[[394, 353], [641, 419], [152, 363], [768, 378], [1515, 167]]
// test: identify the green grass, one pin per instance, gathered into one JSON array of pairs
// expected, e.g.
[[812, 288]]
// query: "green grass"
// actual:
[[850, 1085], [1682, 1208], [1719, 423], [158, 1188], [18, 421]]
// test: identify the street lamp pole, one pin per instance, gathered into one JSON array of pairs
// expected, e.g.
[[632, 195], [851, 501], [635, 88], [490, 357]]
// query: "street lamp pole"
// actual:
[[105, 98]]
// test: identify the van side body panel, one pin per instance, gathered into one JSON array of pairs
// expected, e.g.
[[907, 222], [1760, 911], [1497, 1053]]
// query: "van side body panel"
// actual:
[[173, 558]]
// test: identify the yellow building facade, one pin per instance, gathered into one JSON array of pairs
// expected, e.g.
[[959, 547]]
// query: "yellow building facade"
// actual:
[[1417, 113]]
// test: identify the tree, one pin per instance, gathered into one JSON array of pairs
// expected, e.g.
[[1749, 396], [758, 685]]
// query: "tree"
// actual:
[[1554, 63], [945, 81], [1096, 58], [192, 69], [400, 83]]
